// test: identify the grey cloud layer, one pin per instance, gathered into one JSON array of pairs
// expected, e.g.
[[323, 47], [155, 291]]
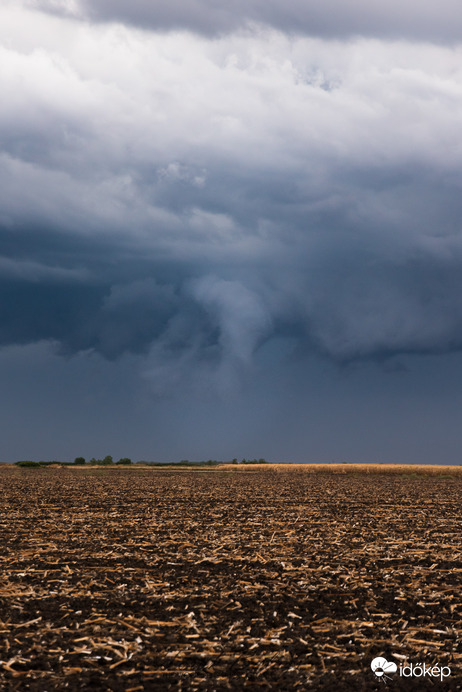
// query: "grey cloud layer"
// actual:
[[414, 19], [191, 199]]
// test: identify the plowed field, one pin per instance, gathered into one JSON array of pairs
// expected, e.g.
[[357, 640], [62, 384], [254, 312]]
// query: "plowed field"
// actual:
[[263, 579]]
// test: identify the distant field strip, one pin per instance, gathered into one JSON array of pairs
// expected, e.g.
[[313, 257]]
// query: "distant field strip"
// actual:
[[400, 469]]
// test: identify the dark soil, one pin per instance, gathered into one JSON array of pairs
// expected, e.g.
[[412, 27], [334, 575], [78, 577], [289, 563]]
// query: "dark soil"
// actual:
[[132, 579]]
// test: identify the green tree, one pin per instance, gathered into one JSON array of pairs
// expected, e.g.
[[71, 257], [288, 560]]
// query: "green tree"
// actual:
[[79, 461]]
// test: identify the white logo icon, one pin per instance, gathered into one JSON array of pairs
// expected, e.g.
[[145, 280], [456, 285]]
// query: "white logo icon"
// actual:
[[381, 667]]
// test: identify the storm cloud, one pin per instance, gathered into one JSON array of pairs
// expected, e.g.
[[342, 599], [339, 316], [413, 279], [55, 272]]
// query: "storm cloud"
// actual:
[[417, 20], [317, 181], [196, 188]]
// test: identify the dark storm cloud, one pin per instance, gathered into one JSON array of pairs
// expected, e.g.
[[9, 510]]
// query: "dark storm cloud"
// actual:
[[415, 19], [194, 200]]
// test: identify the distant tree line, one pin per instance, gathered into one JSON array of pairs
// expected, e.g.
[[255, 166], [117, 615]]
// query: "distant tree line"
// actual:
[[107, 461], [78, 461], [125, 461], [210, 462]]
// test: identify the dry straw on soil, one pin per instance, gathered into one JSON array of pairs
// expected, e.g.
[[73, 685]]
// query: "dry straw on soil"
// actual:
[[393, 469], [159, 580]]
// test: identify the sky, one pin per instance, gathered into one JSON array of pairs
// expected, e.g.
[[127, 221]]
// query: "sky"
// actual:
[[231, 230]]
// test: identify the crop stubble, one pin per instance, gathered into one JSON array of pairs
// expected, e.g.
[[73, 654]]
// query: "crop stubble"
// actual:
[[139, 579]]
